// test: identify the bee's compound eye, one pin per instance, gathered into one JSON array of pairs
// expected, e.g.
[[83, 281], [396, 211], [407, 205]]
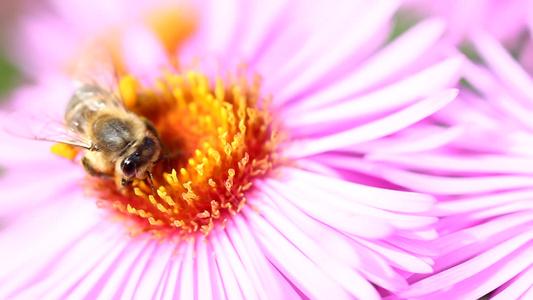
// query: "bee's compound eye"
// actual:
[[128, 166]]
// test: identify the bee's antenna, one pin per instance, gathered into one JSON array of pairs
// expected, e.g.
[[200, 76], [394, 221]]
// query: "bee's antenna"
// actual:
[[151, 179], [164, 157]]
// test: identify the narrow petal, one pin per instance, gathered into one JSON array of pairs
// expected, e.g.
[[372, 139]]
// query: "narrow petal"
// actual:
[[272, 280], [226, 252], [35, 253], [359, 225], [508, 70], [65, 272], [222, 20], [170, 273], [423, 138], [91, 281], [309, 36], [471, 267], [475, 203], [128, 287], [411, 45], [397, 257], [298, 268], [228, 277], [347, 277], [187, 277], [341, 247], [345, 204], [244, 256], [149, 279], [374, 18], [463, 164], [119, 274], [453, 185], [385, 100], [496, 274], [207, 289], [483, 236], [260, 24], [516, 287], [373, 130], [375, 197]]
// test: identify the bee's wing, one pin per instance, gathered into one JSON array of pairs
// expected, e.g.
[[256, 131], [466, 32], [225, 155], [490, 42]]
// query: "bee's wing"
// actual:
[[95, 66], [43, 128]]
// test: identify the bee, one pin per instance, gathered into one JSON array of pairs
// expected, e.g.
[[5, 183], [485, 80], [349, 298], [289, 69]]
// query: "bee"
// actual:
[[118, 144], [121, 143]]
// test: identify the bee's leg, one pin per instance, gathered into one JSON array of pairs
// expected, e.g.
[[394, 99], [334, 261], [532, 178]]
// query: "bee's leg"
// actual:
[[91, 171], [151, 180]]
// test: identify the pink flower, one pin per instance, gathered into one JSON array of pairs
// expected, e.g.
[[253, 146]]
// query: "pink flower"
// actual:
[[483, 182], [295, 213]]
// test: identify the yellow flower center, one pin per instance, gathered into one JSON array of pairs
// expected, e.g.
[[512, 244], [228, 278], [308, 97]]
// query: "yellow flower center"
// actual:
[[220, 136]]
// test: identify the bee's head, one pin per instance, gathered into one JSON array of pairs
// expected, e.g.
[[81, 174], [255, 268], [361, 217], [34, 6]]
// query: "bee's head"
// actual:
[[141, 159]]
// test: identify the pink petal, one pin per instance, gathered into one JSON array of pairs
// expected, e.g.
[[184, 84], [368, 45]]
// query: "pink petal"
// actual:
[[347, 277], [222, 19], [128, 288], [310, 35], [475, 203], [229, 283], [317, 167], [372, 130], [94, 271], [517, 206], [273, 279], [516, 287], [187, 276], [341, 247], [453, 185], [411, 45], [384, 100], [471, 267], [267, 281], [528, 294], [148, 280], [423, 138], [230, 267], [31, 185], [464, 164], [360, 225], [143, 53], [483, 236], [84, 14], [373, 19], [261, 20], [53, 41], [422, 247], [298, 268], [113, 284], [207, 287], [495, 275], [351, 192], [397, 257], [508, 70], [342, 201], [55, 254]]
